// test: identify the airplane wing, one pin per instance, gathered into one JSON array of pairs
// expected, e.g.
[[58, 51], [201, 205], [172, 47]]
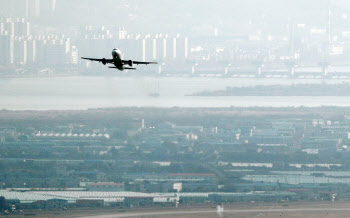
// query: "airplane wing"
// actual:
[[138, 62], [103, 60]]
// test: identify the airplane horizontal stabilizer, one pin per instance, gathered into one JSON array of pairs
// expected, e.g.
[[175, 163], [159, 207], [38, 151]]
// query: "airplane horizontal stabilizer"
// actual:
[[129, 68]]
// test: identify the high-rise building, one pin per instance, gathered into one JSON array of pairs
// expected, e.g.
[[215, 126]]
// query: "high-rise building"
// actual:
[[75, 55], [5, 44], [53, 5], [143, 49], [37, 8], [17, 27], [175, 48], [26, 3], [122, 33], [174, 52], [20, 51], [32, 8], [169, 47], [10, 27], [40, 50], [56, 52], [2, 28], [25, 52], [68, 46], [21, 27], [181, 48], [186, 48], [34, 51], [31, 51], [154, 49], [12, 45], [164, 47], [148, 48], [50, 51], [159, 47]]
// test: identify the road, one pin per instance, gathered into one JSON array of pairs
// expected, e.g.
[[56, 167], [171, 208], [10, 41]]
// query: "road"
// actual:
[[214, 212]]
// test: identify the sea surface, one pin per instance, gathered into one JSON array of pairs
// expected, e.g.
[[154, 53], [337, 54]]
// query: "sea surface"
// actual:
[[83, 92]]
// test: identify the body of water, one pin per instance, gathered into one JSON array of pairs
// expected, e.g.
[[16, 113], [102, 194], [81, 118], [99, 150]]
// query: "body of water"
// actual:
[[102, 92]]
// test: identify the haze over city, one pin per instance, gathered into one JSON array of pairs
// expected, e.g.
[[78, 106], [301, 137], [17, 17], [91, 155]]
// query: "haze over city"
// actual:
[[174, 108]]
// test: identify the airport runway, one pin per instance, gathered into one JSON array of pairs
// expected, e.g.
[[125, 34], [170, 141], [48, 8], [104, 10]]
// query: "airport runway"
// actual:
[[214, 212]]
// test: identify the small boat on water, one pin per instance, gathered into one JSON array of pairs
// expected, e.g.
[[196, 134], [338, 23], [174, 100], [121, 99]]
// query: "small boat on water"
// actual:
[[155, 87], [154, 94]]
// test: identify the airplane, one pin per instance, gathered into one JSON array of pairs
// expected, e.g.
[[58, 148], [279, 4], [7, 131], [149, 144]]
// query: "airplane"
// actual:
[[118, 61]]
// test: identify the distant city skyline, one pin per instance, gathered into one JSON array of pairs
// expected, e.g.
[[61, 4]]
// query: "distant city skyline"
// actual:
[[232, 37]]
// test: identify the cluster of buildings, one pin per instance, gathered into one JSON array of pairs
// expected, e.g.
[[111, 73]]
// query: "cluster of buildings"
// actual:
[[28, 52], [161, 47], [64, 199], [22, 49], [178, 161]]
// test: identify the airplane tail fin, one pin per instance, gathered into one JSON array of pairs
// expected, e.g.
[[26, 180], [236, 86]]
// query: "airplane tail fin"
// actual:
[[129, 68]]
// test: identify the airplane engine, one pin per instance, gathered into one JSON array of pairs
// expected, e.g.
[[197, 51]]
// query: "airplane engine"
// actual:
[[130, 63], [104, 61]]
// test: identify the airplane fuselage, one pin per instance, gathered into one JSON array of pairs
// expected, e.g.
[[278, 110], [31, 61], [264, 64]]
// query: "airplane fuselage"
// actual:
[[118, 59]]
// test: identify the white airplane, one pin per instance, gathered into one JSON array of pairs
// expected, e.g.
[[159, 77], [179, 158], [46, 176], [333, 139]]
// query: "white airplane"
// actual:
[[118, 61]]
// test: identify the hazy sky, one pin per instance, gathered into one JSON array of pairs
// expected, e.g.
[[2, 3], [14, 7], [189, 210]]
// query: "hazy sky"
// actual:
[[180, 15]]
